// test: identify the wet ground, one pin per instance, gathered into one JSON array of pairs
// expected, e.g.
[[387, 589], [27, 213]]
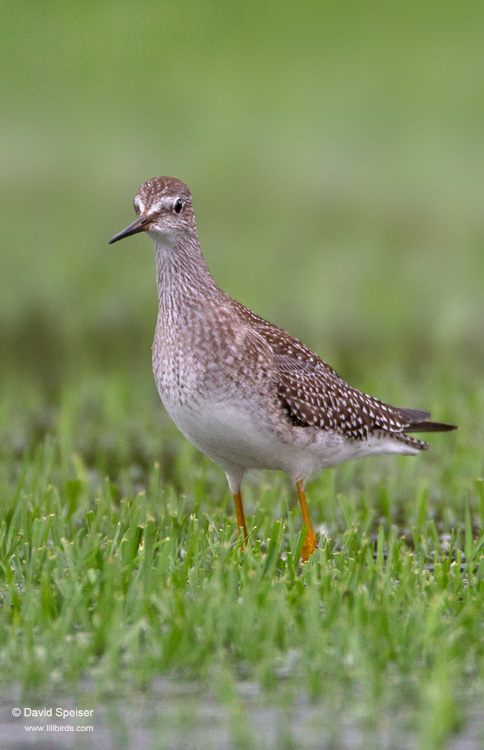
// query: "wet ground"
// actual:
[[180, 717]]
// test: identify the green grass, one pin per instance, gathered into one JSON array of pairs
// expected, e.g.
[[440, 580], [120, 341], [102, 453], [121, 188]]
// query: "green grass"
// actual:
[[121, 581], [334, 155]]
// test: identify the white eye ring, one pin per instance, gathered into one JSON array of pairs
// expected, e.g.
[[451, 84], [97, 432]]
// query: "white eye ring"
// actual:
[[178, 205]]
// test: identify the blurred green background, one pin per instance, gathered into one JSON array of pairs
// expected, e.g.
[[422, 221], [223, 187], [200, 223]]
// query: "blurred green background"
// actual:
[[335, 155], [335, 152]]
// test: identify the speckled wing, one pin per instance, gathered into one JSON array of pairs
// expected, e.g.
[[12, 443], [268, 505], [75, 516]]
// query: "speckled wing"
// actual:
[[313, 395]]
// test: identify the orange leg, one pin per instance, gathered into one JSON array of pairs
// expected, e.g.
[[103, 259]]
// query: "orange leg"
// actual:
[[239, 512], [310, 542]]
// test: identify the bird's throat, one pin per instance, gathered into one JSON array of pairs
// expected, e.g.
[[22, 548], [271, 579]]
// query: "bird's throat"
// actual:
[[181, 270]]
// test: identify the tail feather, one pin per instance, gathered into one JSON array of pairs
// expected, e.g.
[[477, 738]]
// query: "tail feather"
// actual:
[[417, 421], [429, 427], [412, 416]]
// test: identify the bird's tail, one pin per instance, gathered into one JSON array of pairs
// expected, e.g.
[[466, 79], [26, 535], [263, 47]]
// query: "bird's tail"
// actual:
[[418, 422], [430, 427]]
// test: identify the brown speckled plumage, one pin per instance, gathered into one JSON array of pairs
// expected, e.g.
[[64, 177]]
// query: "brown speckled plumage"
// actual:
[[245, 392], [313, 394]]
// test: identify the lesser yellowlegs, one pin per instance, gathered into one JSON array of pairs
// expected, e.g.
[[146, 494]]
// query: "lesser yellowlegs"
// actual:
[[243, 391]]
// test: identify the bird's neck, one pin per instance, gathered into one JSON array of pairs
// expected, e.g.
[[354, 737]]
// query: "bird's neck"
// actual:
[[181, 271]]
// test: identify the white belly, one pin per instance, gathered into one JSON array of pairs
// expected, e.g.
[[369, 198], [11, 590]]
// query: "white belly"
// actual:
[[227, 434], [235, 439]]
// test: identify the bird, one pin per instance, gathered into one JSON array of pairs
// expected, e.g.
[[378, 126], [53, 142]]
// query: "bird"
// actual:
[[245, 392]]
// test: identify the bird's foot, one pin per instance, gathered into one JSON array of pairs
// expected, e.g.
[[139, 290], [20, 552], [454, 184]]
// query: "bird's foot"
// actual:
[[310, 544]]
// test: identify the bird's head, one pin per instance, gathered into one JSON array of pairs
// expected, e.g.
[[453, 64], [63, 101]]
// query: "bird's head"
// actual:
[[164, 209]]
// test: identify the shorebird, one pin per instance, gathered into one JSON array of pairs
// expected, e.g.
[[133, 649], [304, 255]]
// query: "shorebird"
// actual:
[[244, 391]]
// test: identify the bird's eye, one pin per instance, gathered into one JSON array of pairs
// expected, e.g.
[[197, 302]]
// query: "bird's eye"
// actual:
[[178, 205]]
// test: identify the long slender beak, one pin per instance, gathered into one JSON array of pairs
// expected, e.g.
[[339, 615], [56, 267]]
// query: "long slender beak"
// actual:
[[140, 224]]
